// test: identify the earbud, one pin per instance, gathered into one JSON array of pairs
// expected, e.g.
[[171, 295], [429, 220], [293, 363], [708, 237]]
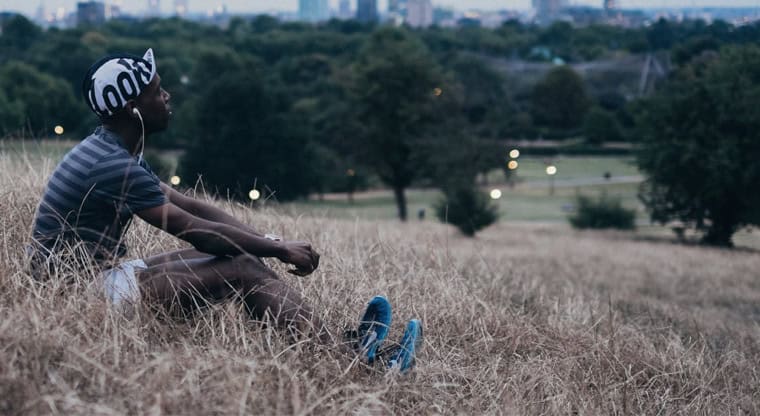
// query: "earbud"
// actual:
[[135, 111]]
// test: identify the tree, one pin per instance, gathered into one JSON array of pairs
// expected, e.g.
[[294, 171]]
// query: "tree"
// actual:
[[244, 137], [18, 33], [560, 99], [398, 90], [486, 104], [701, 143], [601, 126], [41, 100]]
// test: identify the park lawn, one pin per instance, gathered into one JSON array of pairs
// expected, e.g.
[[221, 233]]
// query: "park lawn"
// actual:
[[532, 168], [521, 203]]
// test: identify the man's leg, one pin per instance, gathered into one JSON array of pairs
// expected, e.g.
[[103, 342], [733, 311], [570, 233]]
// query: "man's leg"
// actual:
[[184, 254], [188, 282]]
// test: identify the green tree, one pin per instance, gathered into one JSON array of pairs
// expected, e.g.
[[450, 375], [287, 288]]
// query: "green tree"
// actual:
[[700, 149], [42, 100], [560, 99], [18, 33], [601, 126], [397, 102], [244, 137], [485, 103]]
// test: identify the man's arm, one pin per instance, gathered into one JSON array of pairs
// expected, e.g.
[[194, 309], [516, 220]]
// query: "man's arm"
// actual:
[[222, 239], [204, 210]]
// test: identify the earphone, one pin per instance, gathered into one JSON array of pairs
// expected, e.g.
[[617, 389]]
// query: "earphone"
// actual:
[[136, 112]]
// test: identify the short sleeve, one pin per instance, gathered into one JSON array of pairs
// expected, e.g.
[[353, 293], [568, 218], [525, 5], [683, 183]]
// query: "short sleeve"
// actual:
[[121, 181]]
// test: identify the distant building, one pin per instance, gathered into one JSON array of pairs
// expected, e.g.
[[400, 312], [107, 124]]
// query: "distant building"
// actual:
[[610, 5], [313, 10], [419, 13], [366, 10], [397, 11], [154, 8], [91, 13], [41, 16], [548, 11], [344, 9], [180, 8]]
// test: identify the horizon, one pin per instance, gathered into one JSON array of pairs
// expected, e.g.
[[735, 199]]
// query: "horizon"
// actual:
[[29, 8]]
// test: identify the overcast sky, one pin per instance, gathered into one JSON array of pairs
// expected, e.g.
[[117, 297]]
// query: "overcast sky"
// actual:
[[247, 6]]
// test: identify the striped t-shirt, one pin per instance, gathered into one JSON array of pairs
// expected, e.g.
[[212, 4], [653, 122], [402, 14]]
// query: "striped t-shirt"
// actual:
[[92, 195]]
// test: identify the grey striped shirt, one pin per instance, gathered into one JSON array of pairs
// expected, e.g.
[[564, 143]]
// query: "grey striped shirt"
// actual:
[[92, 195]]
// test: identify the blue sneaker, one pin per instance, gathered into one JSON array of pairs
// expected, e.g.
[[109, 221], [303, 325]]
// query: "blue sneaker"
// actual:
[[403, 356], [373, 327]]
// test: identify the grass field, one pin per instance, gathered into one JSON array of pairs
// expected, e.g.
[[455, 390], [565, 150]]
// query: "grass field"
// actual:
[[528, 318], [528, 199]]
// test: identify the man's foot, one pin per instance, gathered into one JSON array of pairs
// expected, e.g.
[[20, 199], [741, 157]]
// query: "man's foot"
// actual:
[[402, 356], [373, 327]]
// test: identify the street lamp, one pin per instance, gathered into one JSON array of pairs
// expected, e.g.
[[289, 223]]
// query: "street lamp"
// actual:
[[254, 194], [514, 153], [495, 194], [58, 130], [512, 165], [175, 180], [551, 170]]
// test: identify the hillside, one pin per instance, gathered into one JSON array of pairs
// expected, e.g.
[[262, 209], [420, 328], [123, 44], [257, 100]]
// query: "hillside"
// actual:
[[524, 319]]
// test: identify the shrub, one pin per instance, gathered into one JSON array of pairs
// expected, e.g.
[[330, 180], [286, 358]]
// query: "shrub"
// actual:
[[604, 212], [466, 208]]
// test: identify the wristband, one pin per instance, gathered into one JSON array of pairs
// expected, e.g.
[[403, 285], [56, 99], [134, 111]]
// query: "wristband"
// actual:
[[273, 237]]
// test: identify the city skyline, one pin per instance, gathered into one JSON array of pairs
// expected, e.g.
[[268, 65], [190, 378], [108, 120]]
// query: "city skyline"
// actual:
[[139, 7]]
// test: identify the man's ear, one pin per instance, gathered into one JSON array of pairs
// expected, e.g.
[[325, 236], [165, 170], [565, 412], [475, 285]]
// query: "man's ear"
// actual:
[[131, 107]]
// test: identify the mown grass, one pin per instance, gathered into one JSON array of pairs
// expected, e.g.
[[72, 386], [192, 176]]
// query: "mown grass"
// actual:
[[527, 199], [525, 319]]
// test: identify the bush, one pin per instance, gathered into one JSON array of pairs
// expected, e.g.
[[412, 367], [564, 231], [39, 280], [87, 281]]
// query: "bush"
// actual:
[[466, 208], [605, 212]]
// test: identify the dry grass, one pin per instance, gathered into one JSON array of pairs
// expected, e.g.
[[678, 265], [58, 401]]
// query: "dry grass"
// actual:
[[525, 319]]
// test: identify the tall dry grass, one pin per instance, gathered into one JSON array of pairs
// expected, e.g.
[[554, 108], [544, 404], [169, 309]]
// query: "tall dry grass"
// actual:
[[525, 319]]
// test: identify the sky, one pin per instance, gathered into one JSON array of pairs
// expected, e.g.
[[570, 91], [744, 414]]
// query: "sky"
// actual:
[[29, 7]]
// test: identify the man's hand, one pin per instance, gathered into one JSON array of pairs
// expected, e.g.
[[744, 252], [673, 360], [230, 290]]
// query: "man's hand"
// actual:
[[301, 255]]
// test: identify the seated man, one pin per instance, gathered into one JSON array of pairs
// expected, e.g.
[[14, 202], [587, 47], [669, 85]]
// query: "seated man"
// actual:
[[101, 183], [98, 187]]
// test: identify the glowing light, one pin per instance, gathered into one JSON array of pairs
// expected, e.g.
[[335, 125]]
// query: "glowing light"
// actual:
[[437, 91], [495, 194], [551, 170], [58, 130], [350, 172], [175, 180], [184, 80], [512, 165], [254, 194], [514, 153]]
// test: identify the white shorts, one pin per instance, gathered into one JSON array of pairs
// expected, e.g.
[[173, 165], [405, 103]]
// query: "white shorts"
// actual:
[[120, 283]]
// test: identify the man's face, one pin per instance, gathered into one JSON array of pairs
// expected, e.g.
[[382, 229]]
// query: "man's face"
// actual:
[[154, 107]]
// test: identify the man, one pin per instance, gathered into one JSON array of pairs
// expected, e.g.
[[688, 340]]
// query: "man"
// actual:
[[103, 182]]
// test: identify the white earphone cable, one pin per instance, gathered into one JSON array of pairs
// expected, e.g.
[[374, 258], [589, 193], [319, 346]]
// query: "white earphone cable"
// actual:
[[142, 135]]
